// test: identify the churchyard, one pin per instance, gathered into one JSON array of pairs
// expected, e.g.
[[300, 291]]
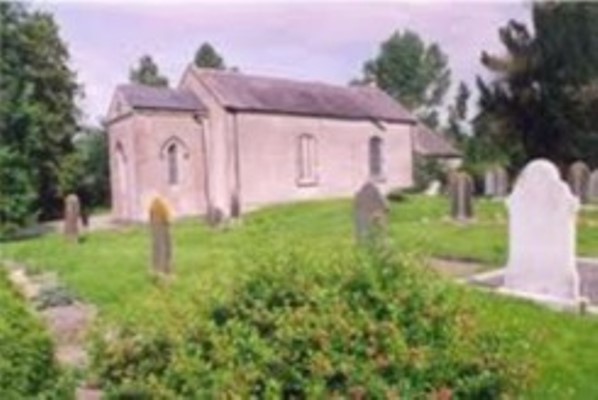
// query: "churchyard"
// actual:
[[173, 286]]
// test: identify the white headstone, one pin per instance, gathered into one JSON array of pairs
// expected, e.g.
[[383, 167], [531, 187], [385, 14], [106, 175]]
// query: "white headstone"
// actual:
[[433, 188], [542, 218]]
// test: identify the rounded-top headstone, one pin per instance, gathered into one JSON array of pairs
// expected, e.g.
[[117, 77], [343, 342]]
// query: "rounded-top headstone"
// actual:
[[542, 217], [371, 212], [578, 178]]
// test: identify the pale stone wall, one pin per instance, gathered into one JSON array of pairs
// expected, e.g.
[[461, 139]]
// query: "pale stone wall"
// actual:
[[249, 155], [217, 130], [121, 139], [145, 137], [268, 157]]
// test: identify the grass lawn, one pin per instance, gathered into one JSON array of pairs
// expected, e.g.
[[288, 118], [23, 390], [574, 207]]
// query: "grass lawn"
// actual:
[[110, 270]]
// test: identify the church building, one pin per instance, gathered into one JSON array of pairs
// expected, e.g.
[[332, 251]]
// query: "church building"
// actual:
[[223, 143]]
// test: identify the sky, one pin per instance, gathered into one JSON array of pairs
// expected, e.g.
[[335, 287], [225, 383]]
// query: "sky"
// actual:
[[317, 41]]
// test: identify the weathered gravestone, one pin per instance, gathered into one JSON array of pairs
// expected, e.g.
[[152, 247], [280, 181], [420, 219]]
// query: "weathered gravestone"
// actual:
[[161, 242], [578, 178], [593, 188], [461, 193], [501, 179], [489, 183], [72, 215], [370, 213], [542, 217], [496, 182]]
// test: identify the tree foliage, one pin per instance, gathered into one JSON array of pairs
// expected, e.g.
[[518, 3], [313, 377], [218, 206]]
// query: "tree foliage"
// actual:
[[413, 72], [38, 114], [147, 73], [539, 101], [207, 57]]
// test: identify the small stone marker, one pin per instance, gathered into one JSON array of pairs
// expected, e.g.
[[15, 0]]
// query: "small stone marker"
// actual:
[[461, 193], [578, 178], [371, 213], [542, 217], [161, 242], [433, 188], [593, 187], [72, 215]]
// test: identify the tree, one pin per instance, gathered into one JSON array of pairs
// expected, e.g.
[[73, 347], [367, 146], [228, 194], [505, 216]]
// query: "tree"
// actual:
[[38, 115], [94, 186], [17, 193], [538, 103], [207, 57], [457, 114], [147, 73], [412, 72]]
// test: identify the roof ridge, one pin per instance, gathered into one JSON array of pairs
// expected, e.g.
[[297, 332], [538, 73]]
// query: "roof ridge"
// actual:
[[212, 71]]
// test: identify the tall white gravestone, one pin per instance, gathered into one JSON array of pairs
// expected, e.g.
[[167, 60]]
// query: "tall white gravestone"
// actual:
[[542, 217]]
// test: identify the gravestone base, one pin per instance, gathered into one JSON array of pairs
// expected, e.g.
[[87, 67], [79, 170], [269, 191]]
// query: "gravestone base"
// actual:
[[587, 301]]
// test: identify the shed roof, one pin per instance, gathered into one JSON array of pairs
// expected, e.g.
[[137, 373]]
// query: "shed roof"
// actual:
[[431, 144], [159, 98], [241, 92]]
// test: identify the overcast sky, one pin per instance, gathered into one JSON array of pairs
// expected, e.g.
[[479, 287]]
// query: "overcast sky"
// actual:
[[304, 40]]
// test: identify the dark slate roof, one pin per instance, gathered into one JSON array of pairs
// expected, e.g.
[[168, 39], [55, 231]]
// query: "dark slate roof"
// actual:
[[241, 92], [432, 144], [148, 97]]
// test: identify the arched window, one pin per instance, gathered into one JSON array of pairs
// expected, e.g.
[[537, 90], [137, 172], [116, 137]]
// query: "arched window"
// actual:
[[173, 164], [307, 160], [375, 158]]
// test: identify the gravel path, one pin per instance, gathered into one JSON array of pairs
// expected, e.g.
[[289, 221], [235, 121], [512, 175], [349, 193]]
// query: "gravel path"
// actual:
[[68, 324]]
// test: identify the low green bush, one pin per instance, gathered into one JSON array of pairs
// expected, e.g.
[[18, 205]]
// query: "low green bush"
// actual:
[[27, 366], [358, 326]]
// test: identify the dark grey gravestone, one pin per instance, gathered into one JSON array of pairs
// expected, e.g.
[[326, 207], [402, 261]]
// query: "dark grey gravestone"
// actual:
[[578, 179], [370, 213], [461, 192], [593, 188], [72, 214]]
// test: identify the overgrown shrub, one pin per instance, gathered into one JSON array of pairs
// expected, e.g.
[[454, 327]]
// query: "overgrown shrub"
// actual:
[[358, 326], [27, 367], [425, 171]]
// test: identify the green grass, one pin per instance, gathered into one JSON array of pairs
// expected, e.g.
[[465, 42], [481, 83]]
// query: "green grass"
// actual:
[[110, 269]]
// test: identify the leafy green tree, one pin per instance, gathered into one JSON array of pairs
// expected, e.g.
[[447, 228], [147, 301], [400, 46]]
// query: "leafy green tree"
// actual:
[[539, 101], [207, 57], [147, 73], [17, 193], [457, 114], [94, 186], [38, 114], [413, 72]]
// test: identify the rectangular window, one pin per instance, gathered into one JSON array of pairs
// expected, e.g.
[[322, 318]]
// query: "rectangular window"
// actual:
[[307, 161]]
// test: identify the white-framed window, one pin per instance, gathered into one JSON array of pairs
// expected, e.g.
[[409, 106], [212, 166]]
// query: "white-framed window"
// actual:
[[172, 159], [376, 161], [307, 160]]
